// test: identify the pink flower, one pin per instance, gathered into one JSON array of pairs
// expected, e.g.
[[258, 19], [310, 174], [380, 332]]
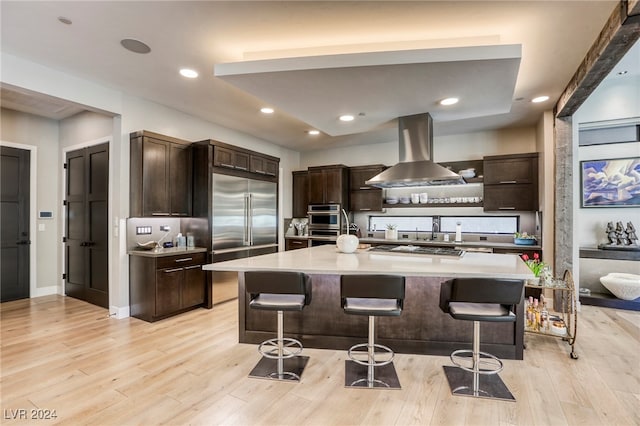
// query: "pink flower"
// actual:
[[536, 256], [525, 257]]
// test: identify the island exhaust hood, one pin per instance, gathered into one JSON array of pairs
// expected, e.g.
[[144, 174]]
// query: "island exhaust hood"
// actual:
[[415, 167]]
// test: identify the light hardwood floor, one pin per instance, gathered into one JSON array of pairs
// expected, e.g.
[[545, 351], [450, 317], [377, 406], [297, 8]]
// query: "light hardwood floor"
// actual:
[[66, 355]]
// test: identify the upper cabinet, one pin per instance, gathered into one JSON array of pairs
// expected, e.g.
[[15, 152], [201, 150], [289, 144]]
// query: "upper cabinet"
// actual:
[[300, 196], [363, 197], [229, 159], [329, 185], [511, 182], [160, 175]]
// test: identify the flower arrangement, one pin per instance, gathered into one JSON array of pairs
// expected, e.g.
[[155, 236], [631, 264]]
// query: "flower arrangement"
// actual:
[[535, 264]]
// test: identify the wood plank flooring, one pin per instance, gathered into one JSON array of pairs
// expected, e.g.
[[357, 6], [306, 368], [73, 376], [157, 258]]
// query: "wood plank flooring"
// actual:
[[62, 354]]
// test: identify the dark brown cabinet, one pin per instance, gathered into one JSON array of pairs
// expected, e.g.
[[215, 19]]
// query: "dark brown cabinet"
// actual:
[[160, 175], [294, 244], [263, 165], [329, 185], [230, 158], [363, 197], [511, 182], [163, 286], [300, 197]]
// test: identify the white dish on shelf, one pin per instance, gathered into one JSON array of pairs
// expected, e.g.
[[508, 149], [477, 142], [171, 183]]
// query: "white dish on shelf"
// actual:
[[392, 201]]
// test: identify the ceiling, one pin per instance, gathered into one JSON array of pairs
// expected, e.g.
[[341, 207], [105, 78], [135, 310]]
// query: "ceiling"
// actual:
[[312, 61]]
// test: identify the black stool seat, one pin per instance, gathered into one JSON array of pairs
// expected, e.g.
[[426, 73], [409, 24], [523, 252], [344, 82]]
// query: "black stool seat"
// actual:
[[278, 302], [479, 300], [279, 291], [489, 312], [373, 296], [370, 306]]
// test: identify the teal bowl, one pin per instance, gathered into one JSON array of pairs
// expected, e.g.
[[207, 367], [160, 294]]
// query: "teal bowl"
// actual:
[[524, 241]]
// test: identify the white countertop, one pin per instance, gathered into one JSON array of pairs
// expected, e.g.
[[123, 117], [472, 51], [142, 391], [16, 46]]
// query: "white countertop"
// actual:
[[327, 260]]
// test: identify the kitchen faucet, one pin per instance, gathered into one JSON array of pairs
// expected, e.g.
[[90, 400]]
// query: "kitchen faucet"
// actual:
[[435, 227]]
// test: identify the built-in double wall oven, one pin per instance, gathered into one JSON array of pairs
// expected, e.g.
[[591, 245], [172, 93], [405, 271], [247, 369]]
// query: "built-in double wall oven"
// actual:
[[324, 223]]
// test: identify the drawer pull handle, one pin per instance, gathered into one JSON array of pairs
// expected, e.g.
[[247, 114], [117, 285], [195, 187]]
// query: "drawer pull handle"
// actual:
[[186, 259], [240, 168], [506, 208], [227, 165], [508, 181], [192, 267], [365, 210], [159, 214], [166, 271]]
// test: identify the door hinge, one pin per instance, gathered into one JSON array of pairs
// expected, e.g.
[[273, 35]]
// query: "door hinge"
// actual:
[[64, 202], [64, 276], [64, 239], [64, 165]]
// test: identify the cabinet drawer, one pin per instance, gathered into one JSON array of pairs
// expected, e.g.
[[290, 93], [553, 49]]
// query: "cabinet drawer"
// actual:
[[296, 244], [179, 261]]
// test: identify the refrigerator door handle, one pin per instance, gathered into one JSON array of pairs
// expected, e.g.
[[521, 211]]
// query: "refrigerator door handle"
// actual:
[[245, 236], [250, 217]]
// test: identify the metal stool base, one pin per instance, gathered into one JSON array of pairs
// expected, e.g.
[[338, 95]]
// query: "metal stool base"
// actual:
[[490, 386], [356, 376], [267, 368]]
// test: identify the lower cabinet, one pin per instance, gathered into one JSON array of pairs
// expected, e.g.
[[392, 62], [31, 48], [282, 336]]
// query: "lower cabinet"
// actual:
[[294, 244], [160, 287]]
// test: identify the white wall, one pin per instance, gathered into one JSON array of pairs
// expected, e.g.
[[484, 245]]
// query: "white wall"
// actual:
[[465, 146], [128, 114], [617, 98], [42, 134]]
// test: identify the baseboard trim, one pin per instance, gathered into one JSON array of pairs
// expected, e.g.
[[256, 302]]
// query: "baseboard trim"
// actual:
[[45, 291], [119, 313]]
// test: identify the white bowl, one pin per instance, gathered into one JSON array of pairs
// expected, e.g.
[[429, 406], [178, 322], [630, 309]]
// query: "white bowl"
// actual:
[[623, 286], [467, 173]]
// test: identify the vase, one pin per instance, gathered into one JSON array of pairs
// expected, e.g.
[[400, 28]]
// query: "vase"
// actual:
[[390, 234], [347, 243], [533, 281]]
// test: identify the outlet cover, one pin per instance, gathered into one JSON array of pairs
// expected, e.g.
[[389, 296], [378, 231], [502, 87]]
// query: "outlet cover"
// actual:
[[143, 230]]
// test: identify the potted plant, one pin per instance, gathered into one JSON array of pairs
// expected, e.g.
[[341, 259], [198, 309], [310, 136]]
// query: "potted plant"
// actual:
[[524, 239], [536, 265], [391, 233]]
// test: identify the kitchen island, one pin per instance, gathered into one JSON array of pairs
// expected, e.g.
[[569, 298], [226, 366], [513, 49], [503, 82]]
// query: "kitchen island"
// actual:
[[422, 328]]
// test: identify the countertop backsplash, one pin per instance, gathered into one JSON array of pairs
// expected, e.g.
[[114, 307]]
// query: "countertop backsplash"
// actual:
[[156, 234]]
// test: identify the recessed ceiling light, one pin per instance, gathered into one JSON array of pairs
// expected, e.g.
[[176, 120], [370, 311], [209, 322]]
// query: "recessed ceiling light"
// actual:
[[314, 132], [186, 72], [539, 99], [266, 110], [346, 117], [622, 72], [449, 101], [135, 46], [64, 20]]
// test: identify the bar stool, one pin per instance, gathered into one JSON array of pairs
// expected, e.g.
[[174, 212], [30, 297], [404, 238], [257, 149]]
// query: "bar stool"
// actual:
[[279, 291], [478, 300], [374, 296]]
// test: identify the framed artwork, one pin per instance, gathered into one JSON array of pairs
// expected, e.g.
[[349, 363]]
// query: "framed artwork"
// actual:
[[611, 183]]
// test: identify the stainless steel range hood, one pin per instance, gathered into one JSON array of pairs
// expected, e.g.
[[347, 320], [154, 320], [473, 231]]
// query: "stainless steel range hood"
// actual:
[[415, 167]]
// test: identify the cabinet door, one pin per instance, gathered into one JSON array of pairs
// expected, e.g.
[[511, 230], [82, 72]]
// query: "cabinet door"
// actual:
[[364, 201], [193, 288], [333, 184], [168, 289], [515, 197], [180, 180], [316, 187], [300, 194], [270, 167], [510, 170], [155, 177], [359, 175], [223, 157], [241, 160]]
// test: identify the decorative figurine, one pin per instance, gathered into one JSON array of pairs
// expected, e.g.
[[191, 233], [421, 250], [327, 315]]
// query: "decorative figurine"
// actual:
[[621, 235], [611, 233], [631, 234]]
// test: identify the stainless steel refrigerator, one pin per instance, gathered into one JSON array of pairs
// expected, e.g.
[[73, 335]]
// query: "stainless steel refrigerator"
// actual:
[[244, 223]]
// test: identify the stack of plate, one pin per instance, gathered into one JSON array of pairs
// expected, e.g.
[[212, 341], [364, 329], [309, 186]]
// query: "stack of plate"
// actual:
[[467, 173]]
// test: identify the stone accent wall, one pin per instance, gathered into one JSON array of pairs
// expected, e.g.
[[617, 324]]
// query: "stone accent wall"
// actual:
[[563, 258]]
